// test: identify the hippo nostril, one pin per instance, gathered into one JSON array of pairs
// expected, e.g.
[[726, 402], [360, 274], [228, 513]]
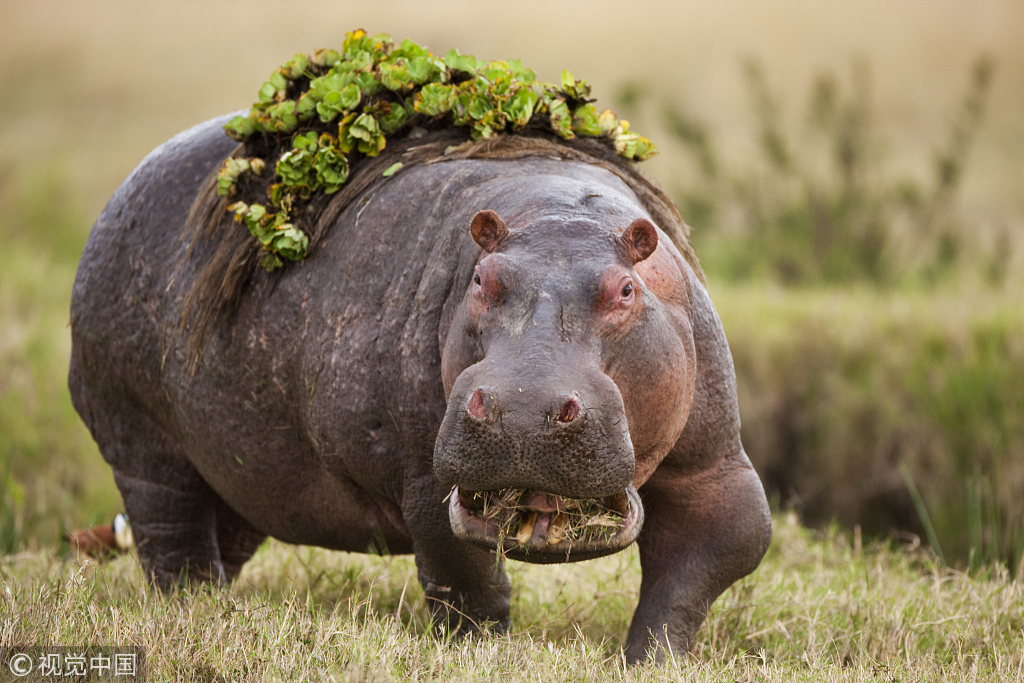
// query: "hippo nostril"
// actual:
[[476, 406], [569, 411]]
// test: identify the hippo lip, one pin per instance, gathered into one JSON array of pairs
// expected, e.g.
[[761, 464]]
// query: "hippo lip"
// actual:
[[539, 527]]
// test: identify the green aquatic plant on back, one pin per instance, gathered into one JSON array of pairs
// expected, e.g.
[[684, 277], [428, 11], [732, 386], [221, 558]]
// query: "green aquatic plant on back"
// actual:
[[317, 115]]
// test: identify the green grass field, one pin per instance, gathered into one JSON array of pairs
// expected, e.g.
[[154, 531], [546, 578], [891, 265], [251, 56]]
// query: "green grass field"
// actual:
[[820, 608]]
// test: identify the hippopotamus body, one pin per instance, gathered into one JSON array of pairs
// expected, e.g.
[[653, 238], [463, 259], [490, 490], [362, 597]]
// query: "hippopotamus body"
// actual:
[[466, 328]]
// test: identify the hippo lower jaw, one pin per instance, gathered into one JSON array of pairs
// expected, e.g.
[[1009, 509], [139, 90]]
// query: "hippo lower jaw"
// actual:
[[544, 529]]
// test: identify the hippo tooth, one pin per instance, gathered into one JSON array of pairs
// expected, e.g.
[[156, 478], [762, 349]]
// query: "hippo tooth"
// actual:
[[557, 530], [617, 503], [526, 528]]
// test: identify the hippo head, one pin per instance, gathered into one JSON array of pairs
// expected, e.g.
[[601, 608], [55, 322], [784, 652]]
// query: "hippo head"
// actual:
[[568, 371]]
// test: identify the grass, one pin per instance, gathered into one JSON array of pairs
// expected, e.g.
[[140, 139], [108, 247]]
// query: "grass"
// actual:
[[820, 608]]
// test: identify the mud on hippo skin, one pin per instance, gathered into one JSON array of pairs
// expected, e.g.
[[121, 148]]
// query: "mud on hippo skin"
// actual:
[[490, 324]]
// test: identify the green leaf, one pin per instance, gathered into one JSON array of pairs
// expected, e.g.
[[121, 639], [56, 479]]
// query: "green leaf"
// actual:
[[362, 61], [457, 61], [368, 83], [567, 80], [305, 107], [305, 141], [585, 121], [520, 72], [561, 119], [645, 149], [395, 77], [337, 102], [483, 129], [289, 241], [345, 142], [574, 89], [520, 107], [232, 169], [268, 92], [278, 80], [294, 168], [239, 128], [392, 169], [279, 117], [330, 82], [391, 116], [240, 209], [296, 67], [625, 144], [331, 165], [424, 68], [461, 100], [434, 99], [364, 132], [256, 212], [326, 58], [408, 49], [479, 107], [496, 71], [276, 192]]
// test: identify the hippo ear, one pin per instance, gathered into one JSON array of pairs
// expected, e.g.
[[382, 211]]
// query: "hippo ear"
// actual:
[[488, 230], [640, 239]]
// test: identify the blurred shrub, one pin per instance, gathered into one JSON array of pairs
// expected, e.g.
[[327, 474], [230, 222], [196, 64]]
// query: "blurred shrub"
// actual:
[[839, 391], [51, 473], [819, 207]]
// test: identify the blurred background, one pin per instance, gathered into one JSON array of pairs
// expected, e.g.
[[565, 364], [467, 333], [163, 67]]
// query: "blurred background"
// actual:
[[853, 172]]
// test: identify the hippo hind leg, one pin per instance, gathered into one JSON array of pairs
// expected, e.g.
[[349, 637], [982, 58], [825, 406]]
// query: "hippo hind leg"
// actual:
[[237, 540], [186, 536], [183, 531], [174, 528]]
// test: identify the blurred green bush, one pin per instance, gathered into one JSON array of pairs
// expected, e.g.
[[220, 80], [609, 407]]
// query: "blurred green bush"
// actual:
[[840, 390], [50, 470], [817, 206]]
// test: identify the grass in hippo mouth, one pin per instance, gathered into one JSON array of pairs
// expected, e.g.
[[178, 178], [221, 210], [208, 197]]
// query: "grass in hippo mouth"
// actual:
[[576, 519]]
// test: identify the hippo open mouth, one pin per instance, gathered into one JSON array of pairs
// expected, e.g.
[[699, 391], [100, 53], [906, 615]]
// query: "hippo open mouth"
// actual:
[[539, 527]]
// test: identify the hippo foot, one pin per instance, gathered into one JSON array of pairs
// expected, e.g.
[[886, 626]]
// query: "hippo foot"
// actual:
[[539, 527]]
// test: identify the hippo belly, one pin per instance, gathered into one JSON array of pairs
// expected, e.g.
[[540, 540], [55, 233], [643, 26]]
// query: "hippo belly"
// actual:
[[473, 332]]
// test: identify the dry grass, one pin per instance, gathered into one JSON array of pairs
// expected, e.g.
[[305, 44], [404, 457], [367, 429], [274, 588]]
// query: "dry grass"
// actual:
[[581, 519], [818, 609]]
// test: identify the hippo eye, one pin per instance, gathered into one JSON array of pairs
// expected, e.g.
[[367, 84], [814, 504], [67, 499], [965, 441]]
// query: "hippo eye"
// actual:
[[476, 279], [627, 290]]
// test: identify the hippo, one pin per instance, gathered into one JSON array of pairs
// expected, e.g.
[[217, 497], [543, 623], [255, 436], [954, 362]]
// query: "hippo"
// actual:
[[520, 314]]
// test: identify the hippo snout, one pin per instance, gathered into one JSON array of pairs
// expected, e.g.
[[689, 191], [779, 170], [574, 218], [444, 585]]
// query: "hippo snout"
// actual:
[[482, 405], [568, 442]]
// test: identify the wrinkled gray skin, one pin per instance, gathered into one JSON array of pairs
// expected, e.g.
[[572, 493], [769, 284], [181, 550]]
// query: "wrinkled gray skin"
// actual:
[[333, 408]]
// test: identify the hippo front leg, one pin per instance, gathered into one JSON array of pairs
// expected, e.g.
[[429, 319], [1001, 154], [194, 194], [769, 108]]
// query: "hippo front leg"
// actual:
[[703, 532], [466, 586]]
